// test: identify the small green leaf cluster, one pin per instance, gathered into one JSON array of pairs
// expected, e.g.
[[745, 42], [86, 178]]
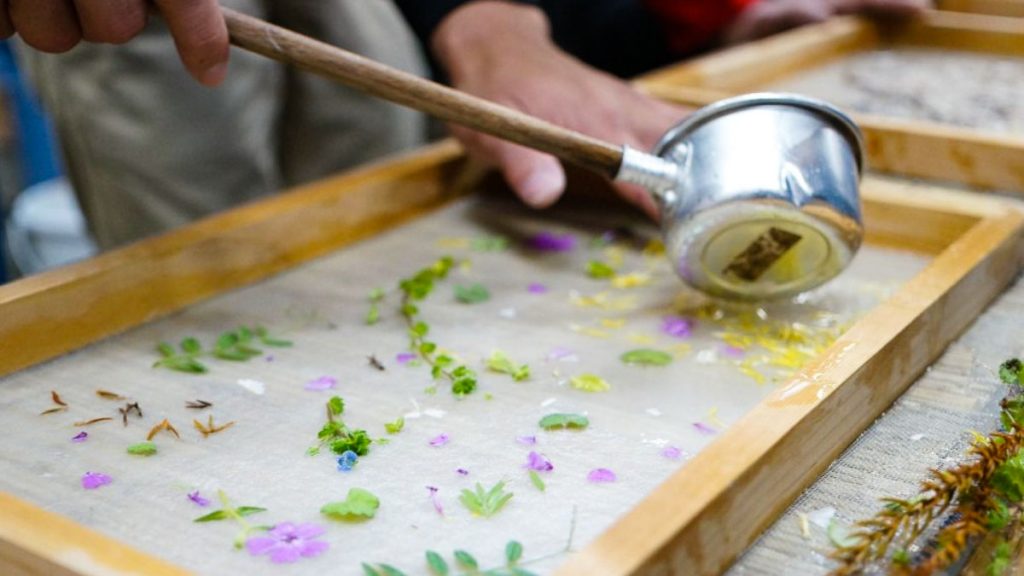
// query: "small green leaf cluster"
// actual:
[[560, 420], [1011, 372], [472, 293], [375, 297], [339, 437], [500, 363], [414, 290], [485, 503], [235, 345], [358, 503], [1008, 479], [646, 357], [142, 449], [236, 513], [1002, 558], [599, 270], [465, 563], [396, 426]]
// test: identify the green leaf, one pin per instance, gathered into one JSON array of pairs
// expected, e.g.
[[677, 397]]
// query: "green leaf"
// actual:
[[1010, 371], [165, 349], [589, 383], [249, 510], [142, 449], [438, 567], [517, 571], [185, 364], [489, 244], [472, 294], [839, 534], [191, 346], [389, 570], [420, 329], [358, 503], [212, 516], [599, 270], [998, 517], [1001, 560], [646, 357], [372, 315], [357, 441], [225, 340], [276, 342], [464, 385], [901, 557], [466, 560], [485, 503], [500, 363], [396, 426], [371, 571], [1008, 479], [538, 482], [560, 420], [376, 295], [1012, 412], [336, 405], [231, 354], [427, 348], [513, 552]]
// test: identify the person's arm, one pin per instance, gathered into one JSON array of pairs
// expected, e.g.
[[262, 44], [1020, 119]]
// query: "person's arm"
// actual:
[[59, 25], [503, 51]]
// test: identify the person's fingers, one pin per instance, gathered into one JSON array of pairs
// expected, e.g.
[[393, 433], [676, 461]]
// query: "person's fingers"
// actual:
[[537, 178], [200, 35], [111, 21], [47, 25], [6, 28]]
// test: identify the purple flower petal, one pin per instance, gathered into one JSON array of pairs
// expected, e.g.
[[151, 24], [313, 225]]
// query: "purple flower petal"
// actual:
[[704, 428], [435, 500], [537, 288], [285, 554], [196, 497], [439, 440], [309, 531], [527, 440], [260, 545], [561, 353], [462, 472], [321, 383], [677, 326], [313, 548], [283, 531], [538, 463], [93, 480], [601, 476], [550, 242], [733, 351], [404, 357], [80, 437], [672, 453], [269, 358]]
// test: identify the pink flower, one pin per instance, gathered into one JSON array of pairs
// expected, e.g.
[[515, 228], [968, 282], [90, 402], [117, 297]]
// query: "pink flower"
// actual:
[[733, 351], [537, 288], [677, 326], [439, 440], [462, 472], [198, 498], [526, 440], [550, 242], [321, 383], [562, 353], [704, 428], [287, 542], [601, 476], [435, 499], [93, 480], [672, 453], [80, 437], [404, 357], [538, 463]]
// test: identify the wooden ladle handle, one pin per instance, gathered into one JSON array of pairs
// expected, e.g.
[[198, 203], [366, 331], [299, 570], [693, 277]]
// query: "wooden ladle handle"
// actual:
[[409, 90]]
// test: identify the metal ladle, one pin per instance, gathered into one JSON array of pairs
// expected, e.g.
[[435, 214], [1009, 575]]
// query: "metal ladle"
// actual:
[[758, 194]]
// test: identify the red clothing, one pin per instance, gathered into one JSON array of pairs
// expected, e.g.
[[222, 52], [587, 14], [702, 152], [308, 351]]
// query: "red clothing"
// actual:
[[692, 24]]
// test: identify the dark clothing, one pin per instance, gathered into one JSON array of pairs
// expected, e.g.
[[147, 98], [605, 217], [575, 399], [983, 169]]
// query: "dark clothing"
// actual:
[[619, 36]]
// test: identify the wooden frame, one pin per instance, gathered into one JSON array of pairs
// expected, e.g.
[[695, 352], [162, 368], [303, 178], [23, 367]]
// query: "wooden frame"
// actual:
[[1014, 8], [908, 147], [698, 521]]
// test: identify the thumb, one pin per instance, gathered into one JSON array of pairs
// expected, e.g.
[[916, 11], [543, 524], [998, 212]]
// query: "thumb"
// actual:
[[538, 179]]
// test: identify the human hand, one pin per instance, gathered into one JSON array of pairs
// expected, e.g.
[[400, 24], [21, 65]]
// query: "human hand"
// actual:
[[58, 25], [768, 17], [502, 52]]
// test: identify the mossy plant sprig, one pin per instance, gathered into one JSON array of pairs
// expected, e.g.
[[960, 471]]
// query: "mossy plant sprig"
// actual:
[[415, 290], [981, 497], [235, 345], [339, 437]]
